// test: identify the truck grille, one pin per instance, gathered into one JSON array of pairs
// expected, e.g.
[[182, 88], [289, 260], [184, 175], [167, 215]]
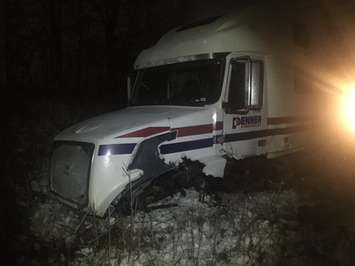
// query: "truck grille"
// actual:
[[70, 170]]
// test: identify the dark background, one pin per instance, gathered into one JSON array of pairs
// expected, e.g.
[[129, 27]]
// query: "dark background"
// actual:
[[62, 61], [83, 49]]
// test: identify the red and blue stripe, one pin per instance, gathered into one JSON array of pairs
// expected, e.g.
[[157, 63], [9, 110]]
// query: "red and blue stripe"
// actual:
[[127, 148]]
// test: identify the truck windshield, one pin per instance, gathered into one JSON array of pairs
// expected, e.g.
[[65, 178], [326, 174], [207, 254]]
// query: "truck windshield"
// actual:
[[193, 83]]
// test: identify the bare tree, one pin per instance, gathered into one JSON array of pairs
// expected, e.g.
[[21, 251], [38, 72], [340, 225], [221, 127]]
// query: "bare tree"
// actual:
[[55, 39]]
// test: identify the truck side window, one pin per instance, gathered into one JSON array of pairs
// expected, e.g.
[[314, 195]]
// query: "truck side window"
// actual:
[[246, 84], [238, 85]]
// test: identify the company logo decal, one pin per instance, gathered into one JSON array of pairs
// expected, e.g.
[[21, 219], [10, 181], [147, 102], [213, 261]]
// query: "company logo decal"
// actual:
[[246, 121]]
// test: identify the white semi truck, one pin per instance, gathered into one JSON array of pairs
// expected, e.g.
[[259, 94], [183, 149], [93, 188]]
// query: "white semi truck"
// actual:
[[225, 87]]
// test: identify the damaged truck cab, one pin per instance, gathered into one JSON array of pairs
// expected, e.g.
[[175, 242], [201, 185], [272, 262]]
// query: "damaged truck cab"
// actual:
[[207, 91]]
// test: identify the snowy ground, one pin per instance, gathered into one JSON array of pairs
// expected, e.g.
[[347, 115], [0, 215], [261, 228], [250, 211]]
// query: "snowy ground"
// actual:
[[243, 229], [277, 224]]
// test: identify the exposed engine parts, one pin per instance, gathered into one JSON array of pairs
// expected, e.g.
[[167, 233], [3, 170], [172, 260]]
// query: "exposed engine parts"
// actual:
[[147, 189]]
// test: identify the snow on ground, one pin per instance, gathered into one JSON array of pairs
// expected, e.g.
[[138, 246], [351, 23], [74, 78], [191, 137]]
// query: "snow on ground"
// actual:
[[51, 221], [244, 229]]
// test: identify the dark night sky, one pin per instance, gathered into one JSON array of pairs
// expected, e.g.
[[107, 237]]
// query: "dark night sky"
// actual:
[[202, 9], [76, 49]]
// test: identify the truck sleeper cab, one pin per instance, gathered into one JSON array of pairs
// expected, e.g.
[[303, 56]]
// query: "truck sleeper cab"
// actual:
[[205, 93]]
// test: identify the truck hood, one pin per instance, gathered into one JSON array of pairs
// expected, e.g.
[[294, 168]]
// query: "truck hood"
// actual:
[[108, 126]]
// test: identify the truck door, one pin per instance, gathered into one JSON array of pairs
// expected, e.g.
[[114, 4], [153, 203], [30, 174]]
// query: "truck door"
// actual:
[[244, 107]]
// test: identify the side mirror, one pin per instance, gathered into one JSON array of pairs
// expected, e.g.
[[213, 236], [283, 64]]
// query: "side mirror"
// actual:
[[256, 85]]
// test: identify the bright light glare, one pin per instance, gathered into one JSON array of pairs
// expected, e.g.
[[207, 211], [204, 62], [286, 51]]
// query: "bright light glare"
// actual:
[[348, 106]]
